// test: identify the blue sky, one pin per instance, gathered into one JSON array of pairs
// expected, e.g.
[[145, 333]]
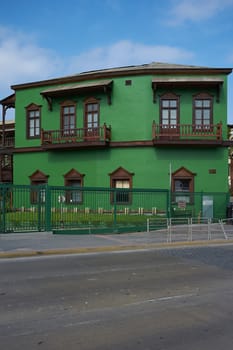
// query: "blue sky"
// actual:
[[47, 39]]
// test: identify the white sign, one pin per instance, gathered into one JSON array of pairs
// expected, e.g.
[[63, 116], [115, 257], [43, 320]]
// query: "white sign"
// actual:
[[61, 199]]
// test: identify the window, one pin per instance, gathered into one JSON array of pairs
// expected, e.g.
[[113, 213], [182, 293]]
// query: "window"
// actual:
[[38, 181], [74, 180], [169, 113], [33, 121], [202, 111], [91, 118], [121, 179], [6, 161], [182, 185], [68, 118], [74, 196], [122, 196]]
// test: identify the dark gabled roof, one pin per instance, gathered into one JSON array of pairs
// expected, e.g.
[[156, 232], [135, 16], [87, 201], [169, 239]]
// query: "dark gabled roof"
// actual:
[[61, 90], [8, 101], [109, 73], [188, 80], [104, 86], [150, 66]]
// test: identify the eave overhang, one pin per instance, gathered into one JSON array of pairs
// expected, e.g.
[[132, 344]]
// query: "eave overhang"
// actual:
[[203, 82], [104, 86], [154, 68], [8, 101]]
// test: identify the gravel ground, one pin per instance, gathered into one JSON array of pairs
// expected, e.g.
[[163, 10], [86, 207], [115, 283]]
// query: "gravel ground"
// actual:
[[218, 256]]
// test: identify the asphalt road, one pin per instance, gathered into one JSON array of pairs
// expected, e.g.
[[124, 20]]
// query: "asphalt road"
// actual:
[[175, 299]]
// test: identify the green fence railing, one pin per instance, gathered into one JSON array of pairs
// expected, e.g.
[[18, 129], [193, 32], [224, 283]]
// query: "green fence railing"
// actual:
[[88, 210]]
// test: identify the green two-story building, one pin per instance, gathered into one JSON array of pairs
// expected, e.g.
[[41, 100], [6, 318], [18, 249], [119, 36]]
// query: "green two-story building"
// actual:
[[160, 126]]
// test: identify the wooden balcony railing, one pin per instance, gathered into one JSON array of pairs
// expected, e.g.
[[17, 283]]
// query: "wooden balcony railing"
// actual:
[[187, 132], [9, 142], [76, 136]]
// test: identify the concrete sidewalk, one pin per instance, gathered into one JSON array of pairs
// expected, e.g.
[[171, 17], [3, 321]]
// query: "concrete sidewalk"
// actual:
[[45, 243]]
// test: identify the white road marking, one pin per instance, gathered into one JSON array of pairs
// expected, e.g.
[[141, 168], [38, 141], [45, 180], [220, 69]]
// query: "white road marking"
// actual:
[[156, 300]]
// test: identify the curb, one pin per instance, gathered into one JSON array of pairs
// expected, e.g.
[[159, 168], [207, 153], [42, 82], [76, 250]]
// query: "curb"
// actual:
[[89, 250]]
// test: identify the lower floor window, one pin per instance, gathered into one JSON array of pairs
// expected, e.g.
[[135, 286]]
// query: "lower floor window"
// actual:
[[74, 180], [75, 194], [122, 180], [38, 193], [182, 186], [38, 181], [122, 194]]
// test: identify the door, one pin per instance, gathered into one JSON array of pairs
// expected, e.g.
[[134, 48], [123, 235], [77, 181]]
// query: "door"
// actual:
[[169, 127], [91, 121], [207, 207], [68, 120]]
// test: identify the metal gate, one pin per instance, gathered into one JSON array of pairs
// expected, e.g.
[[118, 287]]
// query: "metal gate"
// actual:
[[45, 208]]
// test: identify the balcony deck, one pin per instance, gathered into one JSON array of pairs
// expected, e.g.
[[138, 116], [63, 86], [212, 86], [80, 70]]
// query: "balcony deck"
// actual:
[[7, 145], [76, 138], [187, 134]]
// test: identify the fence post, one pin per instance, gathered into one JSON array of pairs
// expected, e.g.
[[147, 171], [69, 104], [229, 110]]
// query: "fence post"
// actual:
[[169, 201], [190, 229], [39, 206], [169, 230], [47, 208], [209, 229], [114, 210], [3, 208]]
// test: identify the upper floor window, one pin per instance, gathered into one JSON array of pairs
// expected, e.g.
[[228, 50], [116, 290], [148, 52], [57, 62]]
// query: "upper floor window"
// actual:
[[68, 117], [91, 118], [33, 121], [169, 111], [202, 111]]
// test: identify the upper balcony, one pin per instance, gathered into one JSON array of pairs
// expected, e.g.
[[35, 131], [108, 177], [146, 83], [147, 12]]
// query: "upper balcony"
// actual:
[[76, 138], [187, 135], [7, 145]]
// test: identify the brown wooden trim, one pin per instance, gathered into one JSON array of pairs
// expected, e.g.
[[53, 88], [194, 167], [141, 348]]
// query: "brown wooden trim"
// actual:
[[73, 175], [115, 144], [32, 108], [121, 174], [39, 176], [8, 101], [28, 149], [189, 143], [183, 174], [127, 144], [170, 97], [202, 96], [121, 73], [87, 102], [227, 143], [64, 104]]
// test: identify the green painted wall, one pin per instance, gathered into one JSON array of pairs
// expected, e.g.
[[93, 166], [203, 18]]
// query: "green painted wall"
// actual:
[[149, 165], [130, 115]]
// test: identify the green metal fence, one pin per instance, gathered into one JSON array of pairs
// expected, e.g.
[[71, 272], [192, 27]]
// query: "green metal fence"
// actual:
[[92, 210]]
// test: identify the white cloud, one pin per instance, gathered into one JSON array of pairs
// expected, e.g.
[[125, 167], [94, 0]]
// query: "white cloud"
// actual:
[[125, 53], [22, 60], [196, 10]]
